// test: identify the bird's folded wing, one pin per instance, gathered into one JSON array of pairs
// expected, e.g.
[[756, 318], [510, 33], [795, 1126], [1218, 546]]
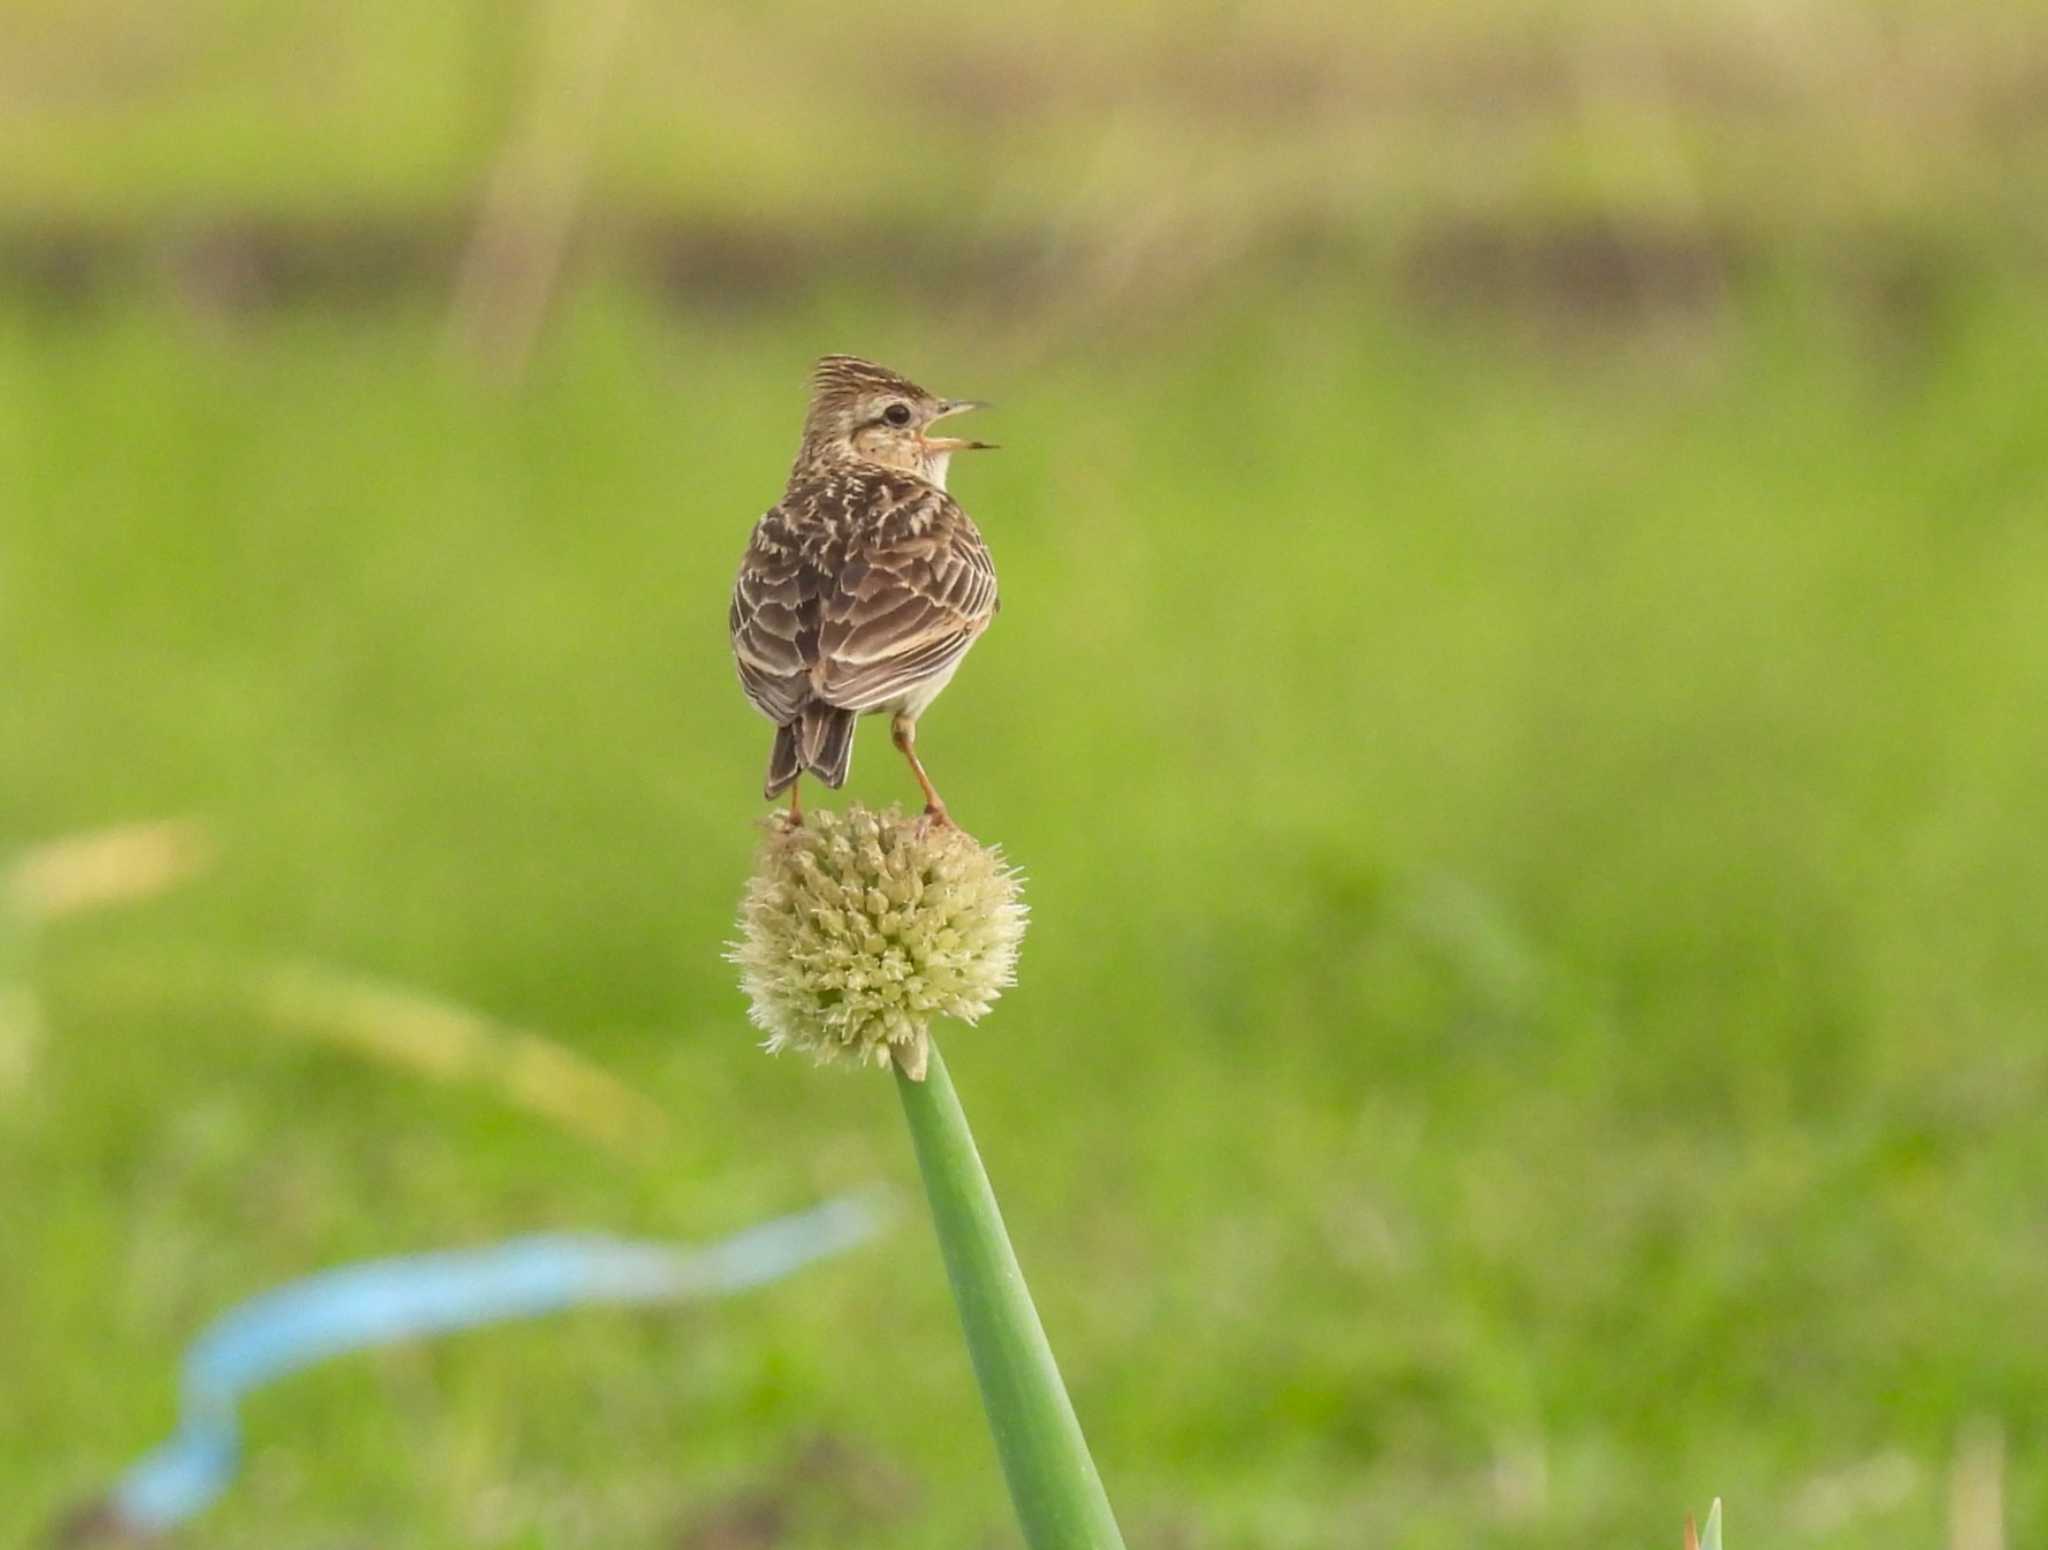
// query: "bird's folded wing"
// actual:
[[774, 619], [906, 606]]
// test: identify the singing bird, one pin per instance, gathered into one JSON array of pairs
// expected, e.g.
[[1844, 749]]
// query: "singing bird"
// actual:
[[863, 587]]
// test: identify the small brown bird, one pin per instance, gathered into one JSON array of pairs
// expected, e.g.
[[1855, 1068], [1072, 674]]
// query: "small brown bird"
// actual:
[[863, 587]]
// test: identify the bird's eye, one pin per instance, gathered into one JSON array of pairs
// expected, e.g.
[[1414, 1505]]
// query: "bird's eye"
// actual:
[[897, 414]]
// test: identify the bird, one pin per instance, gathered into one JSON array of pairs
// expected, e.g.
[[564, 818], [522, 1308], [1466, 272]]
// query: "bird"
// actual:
[[862, 588]]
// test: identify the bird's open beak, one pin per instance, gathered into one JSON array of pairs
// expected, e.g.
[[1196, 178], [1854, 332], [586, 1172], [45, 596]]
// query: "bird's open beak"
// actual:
[[953, 406]]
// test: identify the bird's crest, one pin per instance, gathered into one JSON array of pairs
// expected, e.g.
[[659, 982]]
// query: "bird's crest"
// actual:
[[848, 376]]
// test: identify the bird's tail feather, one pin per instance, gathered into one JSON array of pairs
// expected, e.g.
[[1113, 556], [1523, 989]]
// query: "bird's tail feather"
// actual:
[[820, 740], [783, 764], [825, 740]]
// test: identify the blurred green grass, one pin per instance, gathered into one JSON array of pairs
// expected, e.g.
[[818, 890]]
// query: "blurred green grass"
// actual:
[[1534, 1015], [1518, 697]]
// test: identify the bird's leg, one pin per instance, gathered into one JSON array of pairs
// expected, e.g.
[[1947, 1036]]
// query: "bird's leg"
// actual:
[[903, 731], [796, 806]]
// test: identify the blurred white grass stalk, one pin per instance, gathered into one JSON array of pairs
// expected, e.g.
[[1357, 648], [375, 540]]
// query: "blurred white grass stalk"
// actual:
[[1868, 1488], [397, 1024], [1976, 1489], [106, 866], [513, 264], [409, 1028], [1711, 1540], [68, 876], [413, 1030]]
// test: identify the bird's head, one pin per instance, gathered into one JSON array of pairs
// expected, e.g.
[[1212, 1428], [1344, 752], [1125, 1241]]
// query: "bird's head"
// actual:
[[864, 412]]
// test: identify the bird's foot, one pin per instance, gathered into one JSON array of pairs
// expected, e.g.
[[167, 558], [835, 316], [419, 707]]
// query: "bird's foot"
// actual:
[[933, 817]]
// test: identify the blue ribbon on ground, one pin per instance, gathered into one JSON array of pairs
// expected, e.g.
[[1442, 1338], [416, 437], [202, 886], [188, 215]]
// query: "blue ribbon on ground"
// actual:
[[377, 1302]]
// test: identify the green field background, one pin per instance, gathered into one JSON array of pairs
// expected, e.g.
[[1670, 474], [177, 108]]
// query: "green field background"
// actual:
[[1521, 701]]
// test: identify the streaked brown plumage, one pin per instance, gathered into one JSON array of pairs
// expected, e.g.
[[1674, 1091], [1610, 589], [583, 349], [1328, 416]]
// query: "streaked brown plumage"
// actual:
[[863, 587]]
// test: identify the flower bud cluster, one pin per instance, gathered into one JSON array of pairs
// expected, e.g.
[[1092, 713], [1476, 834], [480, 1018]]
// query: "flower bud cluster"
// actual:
[[857, 929]]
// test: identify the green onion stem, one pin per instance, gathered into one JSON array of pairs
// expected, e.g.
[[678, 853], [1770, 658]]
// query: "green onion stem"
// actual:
[[1058, 1495]]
